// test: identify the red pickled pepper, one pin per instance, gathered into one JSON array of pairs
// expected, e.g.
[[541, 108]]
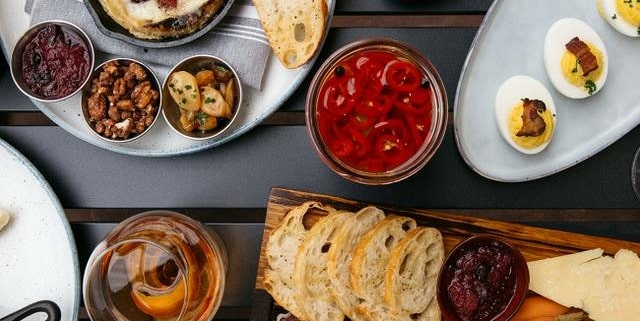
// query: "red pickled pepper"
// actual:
[[374, 111]]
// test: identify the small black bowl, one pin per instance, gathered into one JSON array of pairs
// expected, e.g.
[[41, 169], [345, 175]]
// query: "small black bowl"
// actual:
[[112, 29]]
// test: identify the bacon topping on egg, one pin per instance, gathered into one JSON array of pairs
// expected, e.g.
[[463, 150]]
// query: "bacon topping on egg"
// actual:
[[586, 58], [532, 123]]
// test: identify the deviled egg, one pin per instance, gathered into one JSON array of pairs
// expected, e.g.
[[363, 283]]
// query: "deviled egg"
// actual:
[[525, 113], [622, 15], [575, 58]]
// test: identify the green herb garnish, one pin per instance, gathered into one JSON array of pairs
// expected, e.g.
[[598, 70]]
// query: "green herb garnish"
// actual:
[[171, 85], [590, 86], [221, 68], [201, 118], [209, 100], [188, 87], [614, 17], [575, 68], [184, 101], [180, 91]]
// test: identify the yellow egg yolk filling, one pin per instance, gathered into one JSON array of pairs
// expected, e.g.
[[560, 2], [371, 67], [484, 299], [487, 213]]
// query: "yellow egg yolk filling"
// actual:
[[530, 142], [572, 71], [629, 11]]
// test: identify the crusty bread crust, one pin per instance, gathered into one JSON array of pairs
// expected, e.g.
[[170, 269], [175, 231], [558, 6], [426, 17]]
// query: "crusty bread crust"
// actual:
[[340, 256], [310, 270], [412, 273], [370, 259], [281, 250], [294, 28]]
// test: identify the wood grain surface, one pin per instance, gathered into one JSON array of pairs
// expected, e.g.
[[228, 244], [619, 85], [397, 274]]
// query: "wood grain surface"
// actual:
[[534, 243]]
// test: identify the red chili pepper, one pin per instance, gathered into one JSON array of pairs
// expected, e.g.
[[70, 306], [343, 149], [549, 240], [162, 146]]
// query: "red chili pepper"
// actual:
[[374, 107], [402, 76], [391, 149], [361, 144], [336, 99], [342, 147], [412, 102]]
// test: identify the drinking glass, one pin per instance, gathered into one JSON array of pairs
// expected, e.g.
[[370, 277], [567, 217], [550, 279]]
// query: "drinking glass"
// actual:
[[156, 265]]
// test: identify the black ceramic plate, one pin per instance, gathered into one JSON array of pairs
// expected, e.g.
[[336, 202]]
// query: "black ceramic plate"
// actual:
[[112, 29]]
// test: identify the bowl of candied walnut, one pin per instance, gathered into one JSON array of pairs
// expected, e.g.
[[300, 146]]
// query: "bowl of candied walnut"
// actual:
[[122, 100]]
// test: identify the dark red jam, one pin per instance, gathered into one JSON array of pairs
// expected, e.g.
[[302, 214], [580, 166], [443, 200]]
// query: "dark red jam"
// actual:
[[480, 280], [55, 62], [374, 110]]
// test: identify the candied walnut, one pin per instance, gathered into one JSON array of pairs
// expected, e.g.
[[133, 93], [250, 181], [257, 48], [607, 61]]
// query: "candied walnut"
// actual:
[[119, 87], [114, 113], [142, 94], [123, 101], [125, 104], [97, 107], [105, 79], [111, 67], [135, 71], [126, 114]]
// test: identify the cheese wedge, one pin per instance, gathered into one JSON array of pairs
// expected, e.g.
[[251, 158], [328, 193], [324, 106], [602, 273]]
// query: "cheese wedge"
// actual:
[[606, 288], [4, 219]]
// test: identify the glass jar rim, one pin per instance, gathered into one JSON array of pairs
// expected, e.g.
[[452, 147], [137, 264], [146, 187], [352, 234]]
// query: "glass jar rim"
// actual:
[[439, 119]]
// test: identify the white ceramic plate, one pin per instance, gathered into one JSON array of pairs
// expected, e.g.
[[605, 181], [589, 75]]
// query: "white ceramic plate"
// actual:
[[510, 42], [279, 84], [38, 259]]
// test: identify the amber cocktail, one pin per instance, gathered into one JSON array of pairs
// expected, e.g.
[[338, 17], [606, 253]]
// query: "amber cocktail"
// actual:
[[156, 266]]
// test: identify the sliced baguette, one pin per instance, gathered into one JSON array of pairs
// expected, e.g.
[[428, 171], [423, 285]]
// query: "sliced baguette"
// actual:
[[294, 28], [412, 272], [310, 270], [340, 255], [371, 257], [281, 250]]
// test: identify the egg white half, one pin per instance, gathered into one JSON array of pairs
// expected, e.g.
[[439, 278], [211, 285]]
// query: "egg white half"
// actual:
[[607, 9], [509, 94], [559, 34]]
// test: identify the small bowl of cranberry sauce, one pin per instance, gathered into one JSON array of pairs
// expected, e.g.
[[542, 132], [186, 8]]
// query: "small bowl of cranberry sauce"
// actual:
[[484, 278], [52, 61]]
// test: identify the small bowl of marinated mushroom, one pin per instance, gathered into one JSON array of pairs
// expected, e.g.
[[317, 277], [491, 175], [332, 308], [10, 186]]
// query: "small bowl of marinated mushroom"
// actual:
[[122, 100], [203, 94]]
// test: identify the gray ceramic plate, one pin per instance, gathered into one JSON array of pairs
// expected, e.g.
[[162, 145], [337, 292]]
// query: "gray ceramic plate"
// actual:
[[112, 29], [39, 258], [510, 42], [279, 84]]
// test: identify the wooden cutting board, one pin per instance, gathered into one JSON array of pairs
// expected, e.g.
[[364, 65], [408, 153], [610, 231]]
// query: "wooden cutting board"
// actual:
[[534, 243]]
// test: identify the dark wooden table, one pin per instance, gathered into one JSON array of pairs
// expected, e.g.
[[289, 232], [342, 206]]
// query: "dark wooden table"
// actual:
[[98, 188]]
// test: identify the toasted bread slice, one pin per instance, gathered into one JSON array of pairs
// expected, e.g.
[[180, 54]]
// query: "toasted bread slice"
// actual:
[[294, 28], [412, 272], [371, 257], [281, 250], [340, 254], [310, 270]]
